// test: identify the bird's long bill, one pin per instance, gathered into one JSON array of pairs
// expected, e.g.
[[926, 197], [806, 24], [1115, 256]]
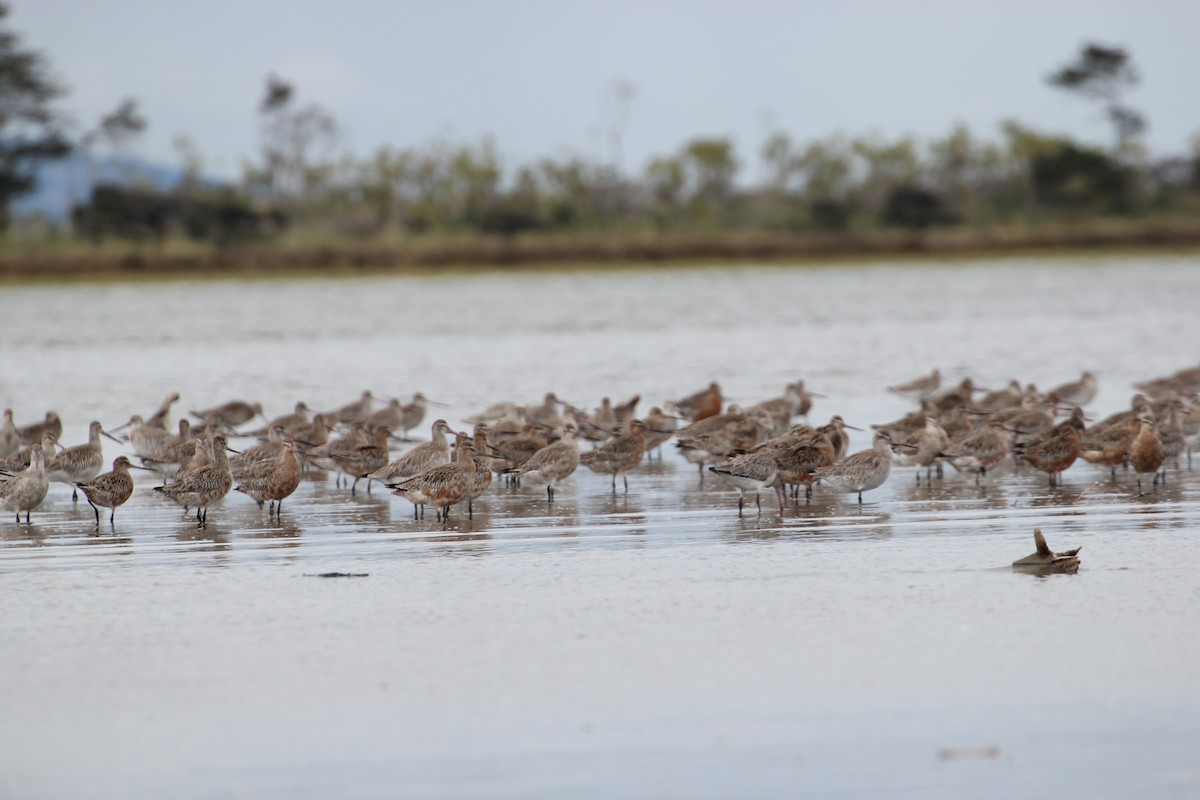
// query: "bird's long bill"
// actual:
[[145, 469], [817, 394], [110, 436], [851, 427], [436, 403], [230, 449]]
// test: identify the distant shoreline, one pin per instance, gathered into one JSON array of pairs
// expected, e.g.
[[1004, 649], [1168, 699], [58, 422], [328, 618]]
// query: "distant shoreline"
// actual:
[[38, 261]]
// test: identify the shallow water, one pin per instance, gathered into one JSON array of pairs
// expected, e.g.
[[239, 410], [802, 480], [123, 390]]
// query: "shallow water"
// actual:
[[642, 645]]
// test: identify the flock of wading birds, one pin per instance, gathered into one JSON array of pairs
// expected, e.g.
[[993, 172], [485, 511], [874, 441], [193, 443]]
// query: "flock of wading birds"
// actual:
[[752, 448]]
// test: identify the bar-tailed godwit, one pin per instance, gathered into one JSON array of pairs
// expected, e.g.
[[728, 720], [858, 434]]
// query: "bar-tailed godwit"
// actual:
[[271, 481], [862, 471], [204, 486], [919, 388], [554, 462], [25, 490], [443, 486], [231, 414], [32, 434], [111, 489], [751, 472], [10, 441], [80, 463], [1077, 393], [621, 454]]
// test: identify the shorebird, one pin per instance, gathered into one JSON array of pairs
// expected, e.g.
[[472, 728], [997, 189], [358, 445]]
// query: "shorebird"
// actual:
[[24, 457], [597, 427], [10, 441], [751, 471], [32, 434], [982, 450], [203, 486], [362, 461], [605, 420], [1077, 393], [148, 440], [1185, 381], [483, 468], [626, 411], [509, 455], [272, 481], [999, 399], [111, 489], [909, 424], [861, 471], [783, 409], [1171, 435], [441, 486], [953, 398], [315, 435], [546, 415], [714, 438], [162, 416], [322, 456], [920, 388], [391, 416], [424, 456], [1045, 561], [291, 423], [1053, 452], [660, 426], [1138, 404], [25, 490], [506, 427], [231, 414], [621, 454], [245, 463], [930, 445], [358, 411], [497, 411], [702, 404], [80, 463], [413, 414], [1109, 446], [554, 462], [1145, 450], [836, 431], [173, 458], [168, 460], [802, 458], [193, 456]]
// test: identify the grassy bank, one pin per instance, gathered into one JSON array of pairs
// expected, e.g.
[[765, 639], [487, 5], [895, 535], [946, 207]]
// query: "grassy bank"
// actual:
[[307, 253]]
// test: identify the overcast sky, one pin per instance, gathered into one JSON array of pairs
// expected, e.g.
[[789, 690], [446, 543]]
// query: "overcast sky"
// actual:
[[539, 75]]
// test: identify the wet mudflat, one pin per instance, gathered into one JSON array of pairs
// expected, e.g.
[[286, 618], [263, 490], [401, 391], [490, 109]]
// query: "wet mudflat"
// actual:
[[652, 644]]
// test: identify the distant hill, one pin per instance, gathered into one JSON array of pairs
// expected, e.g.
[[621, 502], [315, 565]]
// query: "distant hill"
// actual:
[[63, 183]]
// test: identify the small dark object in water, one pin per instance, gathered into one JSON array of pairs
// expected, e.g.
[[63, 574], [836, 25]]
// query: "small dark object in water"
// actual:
[[337, 575], [1045, 561], [969, 753]]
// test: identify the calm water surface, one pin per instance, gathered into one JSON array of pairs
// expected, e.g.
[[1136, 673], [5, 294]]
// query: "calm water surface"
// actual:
[[648, 645]]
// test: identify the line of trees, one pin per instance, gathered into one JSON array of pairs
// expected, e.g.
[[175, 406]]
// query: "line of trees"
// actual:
[[298, 180]]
